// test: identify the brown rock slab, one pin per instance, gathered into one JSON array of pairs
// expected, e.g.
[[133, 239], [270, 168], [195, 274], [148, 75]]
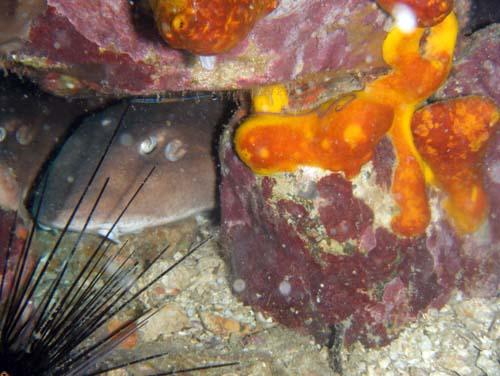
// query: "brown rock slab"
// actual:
[[71, 48]]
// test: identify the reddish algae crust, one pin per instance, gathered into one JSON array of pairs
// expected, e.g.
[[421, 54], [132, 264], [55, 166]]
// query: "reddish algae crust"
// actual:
[[294, 41], [340, 212], [371, 292], [322, 259], [492, 185], [83, 63]]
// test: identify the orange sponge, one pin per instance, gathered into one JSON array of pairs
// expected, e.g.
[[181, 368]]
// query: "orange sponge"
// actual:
[[208, 27], [342, 135], [451, 137]]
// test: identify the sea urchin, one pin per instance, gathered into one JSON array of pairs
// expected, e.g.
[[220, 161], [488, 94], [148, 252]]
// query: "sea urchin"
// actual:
[[52, 308]]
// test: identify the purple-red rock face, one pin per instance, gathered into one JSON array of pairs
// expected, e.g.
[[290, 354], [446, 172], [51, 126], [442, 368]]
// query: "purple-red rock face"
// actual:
[[104, 46], [492, 184], [313, 249], [307, 251], [477, 66]]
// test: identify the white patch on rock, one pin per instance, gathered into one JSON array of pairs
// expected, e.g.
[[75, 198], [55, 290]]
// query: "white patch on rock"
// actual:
[[299, 62], [287, 7], [493, 172], [285, 288], [378, 199], [239, 285], [208, 62], [405, 18]]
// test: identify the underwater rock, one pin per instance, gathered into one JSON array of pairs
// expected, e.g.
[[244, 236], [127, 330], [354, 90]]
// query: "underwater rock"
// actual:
[[492, 184], [315, 249], [483, 13], [341, 135], [72, 49], [477, 67], [32, 124], [16, 18]]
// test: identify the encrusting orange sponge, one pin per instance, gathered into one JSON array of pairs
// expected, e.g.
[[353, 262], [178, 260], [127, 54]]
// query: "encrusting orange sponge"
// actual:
[[342, 136], [417, 73], [271, 143], [208, 27], [451, 137]]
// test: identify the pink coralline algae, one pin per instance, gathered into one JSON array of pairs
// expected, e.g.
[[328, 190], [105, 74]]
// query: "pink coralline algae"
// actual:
[[492, 185], [70, 48], [342, 214], [372, 284], [315, 249]]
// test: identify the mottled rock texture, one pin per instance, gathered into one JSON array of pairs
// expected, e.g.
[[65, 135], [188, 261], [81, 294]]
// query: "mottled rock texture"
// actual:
[[477, 66], [320, 257], [32, 125], [315, 250], [112, 47]]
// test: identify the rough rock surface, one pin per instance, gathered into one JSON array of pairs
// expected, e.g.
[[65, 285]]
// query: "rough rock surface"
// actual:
[[493, 185], [320, 256], [315, 250], [202, 322], [477, 67], [32, 124], [72, 48], [461, 337]]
